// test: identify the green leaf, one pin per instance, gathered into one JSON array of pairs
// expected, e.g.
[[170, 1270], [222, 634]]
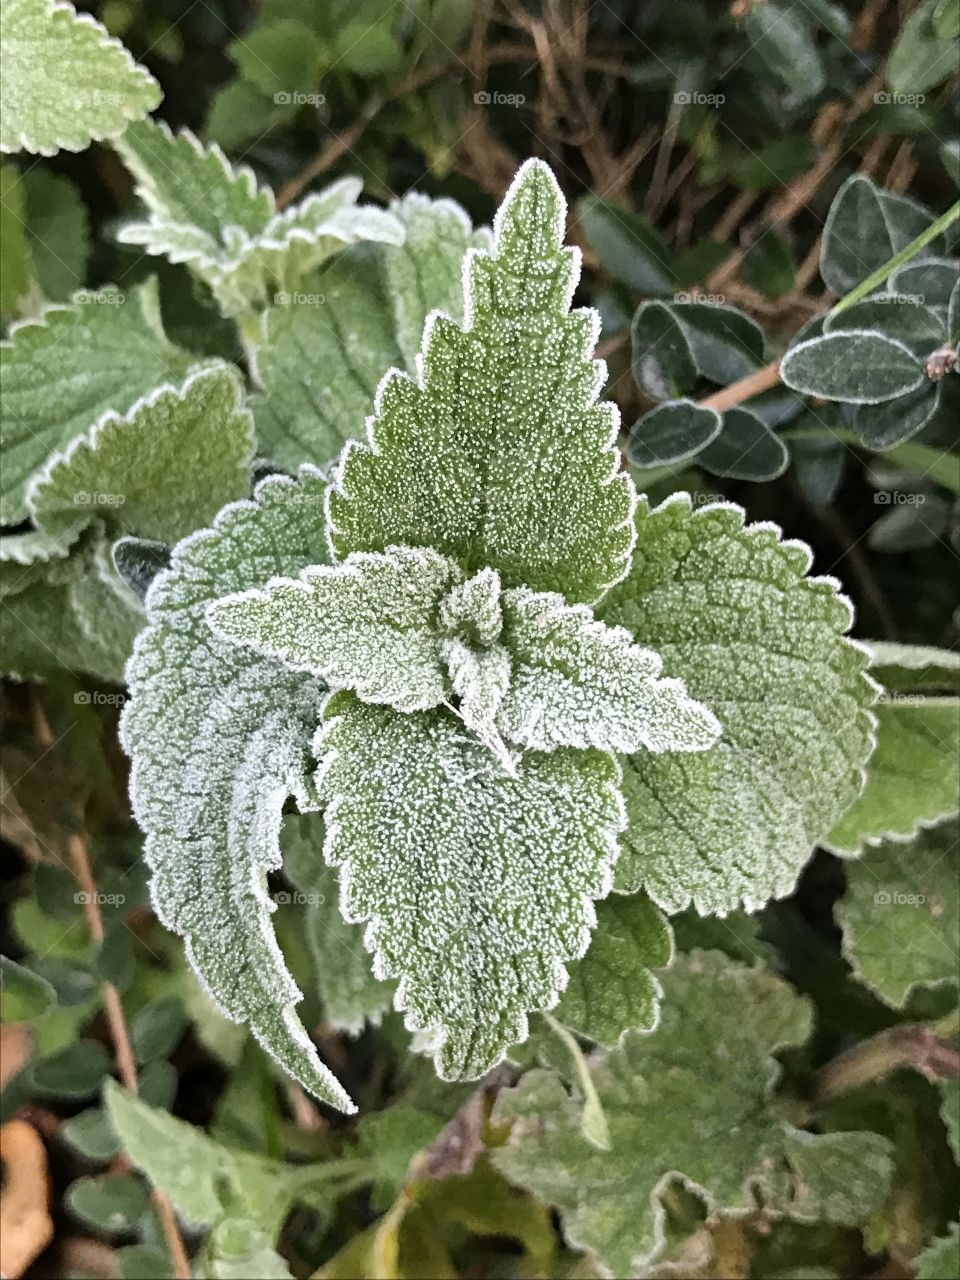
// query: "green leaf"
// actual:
[[25, 994], [58, 232], [15, 259], [237, 1250], [910, 668], [66, 81], [140, 1262], [895, 316], [663, 360], [157, 1028], [665, 1110], [745, 449], [672, 432], [884, 426], [900, 915], [162, 470], [628, 246], [280, 58], [498, 936], [61, 373], [323, 354], [91, 1135], [782, 41], [612, 987], [535, 495], [578, 683], [111, 1203], [725, 343], [729, 607], [73, 1072], [219, 739], [215, 218], [931, 279], [922, 56], [853, 366], [350, 992], [941, 1257], [367, 624], [769, 266], [865, 228], [912, 776], [367, 48], [946, 19]]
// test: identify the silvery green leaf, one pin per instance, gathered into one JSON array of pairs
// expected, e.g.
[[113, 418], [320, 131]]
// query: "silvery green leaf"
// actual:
[[60, 373], [161, 470], [464, 459], [219, 739], [913, 779], [426, 825], [213, 217], [745, 449], [366, 624], [613, 987], [922, 56], [706, 1070], [66, 81], [350, 992], [628, 246], [672, 432], [941, 1256], [900, 915], [663, 360], [865, 228], [908, 668], [725, 343], [883, 426], [854, 366], [577, 682], [479, 679], [781, 39], [730, 609], [917, 326], [324, 351], [928, 277]]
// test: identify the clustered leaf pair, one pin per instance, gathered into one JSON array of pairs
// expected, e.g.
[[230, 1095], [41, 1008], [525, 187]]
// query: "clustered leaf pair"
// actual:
[[509, 685]]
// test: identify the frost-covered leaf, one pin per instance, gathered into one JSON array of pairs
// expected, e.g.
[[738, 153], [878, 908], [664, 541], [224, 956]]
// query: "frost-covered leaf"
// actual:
[[730, 610], [911, 668], [707, 1070], [672, 432], [426, 826], [499, 453], [163, 469], [941, 1258], [913, 778], [350, 992], [324, 352], [579, 683], [213, 217], [60, 373], [219, 738], [865, 228], [66, 81], [745, 449], [663, 360], [612, 987], [901, 914], [853, 366], [366, 624], [236, 1250]]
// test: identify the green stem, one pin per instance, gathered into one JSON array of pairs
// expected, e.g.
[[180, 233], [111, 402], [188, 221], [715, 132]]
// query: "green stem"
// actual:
[[925, 1048], [898, 259], [593, 1123], [942, 466]]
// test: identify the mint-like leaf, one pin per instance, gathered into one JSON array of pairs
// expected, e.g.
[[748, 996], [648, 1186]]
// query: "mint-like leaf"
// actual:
[[498, 454]]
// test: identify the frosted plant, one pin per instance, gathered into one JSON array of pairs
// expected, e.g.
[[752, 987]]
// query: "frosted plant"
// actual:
[[509, 687]]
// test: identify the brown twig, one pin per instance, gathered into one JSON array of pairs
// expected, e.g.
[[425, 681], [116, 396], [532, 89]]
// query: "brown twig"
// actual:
[[924, 1048], [745, 388], [113, 1006]]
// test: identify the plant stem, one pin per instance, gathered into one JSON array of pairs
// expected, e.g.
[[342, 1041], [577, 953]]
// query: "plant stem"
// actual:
[[594, 1122], [745, 388], [898, 259], [927, 1049]]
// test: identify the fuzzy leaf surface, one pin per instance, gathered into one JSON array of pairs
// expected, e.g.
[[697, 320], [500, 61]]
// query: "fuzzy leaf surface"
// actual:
[[213, 217], [900, 915], [163, 469], [66, 81], [706, 1070], [321, 358], [219, 739], [498, 453], [61, 373], [730, 609], [366, 624], [579, 683], [426, 826]]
